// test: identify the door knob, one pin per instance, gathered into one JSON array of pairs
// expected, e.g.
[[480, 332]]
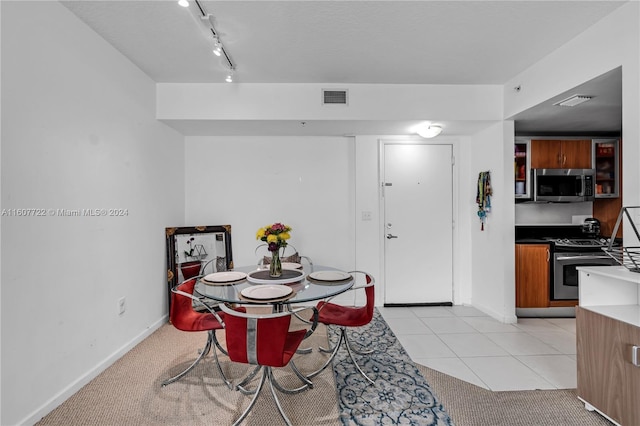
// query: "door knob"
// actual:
[[390, 236]]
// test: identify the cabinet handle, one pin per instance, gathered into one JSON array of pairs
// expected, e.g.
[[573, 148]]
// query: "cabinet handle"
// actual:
[[548, 255], [564, 160], [635, 355]]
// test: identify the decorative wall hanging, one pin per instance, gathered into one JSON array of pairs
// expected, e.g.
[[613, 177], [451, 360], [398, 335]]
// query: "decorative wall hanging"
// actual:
[[483, 198]]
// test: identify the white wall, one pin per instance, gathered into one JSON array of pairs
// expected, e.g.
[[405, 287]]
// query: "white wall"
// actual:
[[493, 270], [248, 101], [78, 132], [250, 182]]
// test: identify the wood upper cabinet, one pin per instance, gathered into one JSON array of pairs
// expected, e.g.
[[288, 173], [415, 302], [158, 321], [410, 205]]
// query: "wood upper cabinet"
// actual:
[[561, 154], [532, 275]]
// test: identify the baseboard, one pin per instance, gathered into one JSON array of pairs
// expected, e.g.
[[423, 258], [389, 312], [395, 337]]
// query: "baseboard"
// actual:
[[74, 387], [499, 316], [554, 312], [408, 305]]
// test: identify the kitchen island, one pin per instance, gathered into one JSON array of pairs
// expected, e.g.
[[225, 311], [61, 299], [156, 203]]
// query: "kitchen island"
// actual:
[[608, 342]]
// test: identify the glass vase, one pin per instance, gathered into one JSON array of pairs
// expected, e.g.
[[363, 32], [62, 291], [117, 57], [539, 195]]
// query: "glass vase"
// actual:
[[275, 268]]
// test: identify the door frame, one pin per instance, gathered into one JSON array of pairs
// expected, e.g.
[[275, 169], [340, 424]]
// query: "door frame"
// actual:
[[455, 252]]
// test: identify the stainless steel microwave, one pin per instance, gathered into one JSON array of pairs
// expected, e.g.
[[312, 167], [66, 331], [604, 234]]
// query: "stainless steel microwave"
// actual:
[[563, 185]]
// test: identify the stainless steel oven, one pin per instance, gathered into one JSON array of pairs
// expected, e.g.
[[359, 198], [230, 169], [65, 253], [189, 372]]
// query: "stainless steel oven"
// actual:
[[565, 275]]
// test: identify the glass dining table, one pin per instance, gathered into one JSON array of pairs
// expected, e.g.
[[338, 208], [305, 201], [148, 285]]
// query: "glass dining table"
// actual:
[[304, 288]]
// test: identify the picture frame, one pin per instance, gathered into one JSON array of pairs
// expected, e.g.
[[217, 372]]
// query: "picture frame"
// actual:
[[188, 248]]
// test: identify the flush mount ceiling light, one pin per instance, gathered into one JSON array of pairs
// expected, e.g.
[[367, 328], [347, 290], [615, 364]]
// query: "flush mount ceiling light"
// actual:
[[207, 20], [573, 100], [429, 130]]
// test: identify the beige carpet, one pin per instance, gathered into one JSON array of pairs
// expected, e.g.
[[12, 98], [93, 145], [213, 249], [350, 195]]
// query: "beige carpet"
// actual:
[[470, 405], [129, 393]]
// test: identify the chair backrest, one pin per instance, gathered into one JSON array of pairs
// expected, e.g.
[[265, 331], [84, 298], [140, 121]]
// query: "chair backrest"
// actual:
[[369, 290], [183, 316], [287, 254], [217, 264], [261, 339]]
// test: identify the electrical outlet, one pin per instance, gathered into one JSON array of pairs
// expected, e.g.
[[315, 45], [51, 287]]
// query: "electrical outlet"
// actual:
[[122, 305]]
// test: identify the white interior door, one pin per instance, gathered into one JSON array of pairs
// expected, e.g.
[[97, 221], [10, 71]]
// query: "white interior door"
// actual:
[[418, 223]]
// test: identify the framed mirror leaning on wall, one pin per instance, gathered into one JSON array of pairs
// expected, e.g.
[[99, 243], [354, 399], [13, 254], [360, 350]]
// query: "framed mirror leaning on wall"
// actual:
[[190, 248]]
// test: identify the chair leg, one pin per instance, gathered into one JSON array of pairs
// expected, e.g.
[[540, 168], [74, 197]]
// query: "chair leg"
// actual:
[[218, 345], [346, 343], [362, 351], [247, 379], [301, 376], [215, 356], [304, 351], [282, 389], [272, 383], [203, 353], [333, 352], [265, 373]]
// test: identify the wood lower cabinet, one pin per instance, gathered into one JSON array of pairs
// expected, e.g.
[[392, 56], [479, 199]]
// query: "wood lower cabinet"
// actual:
[[532, 275], [561, 154], [607, 379]]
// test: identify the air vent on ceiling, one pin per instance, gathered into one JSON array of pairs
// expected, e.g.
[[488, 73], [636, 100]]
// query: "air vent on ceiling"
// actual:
[[573, 100], [334, 97]]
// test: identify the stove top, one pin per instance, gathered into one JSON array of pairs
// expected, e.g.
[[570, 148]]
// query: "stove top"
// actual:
[[581, 242]]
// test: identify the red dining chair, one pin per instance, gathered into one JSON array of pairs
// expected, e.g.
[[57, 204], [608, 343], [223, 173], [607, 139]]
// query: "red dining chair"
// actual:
[[347, 316], [183, 317], [288, 254], [264, 340]]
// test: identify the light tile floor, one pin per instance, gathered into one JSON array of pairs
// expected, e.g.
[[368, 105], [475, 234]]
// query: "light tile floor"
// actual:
[[535, 353]]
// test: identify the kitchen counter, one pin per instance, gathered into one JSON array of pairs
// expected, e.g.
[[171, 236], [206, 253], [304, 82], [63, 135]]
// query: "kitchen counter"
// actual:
[[616, 272], [613, 291], [607, 342]]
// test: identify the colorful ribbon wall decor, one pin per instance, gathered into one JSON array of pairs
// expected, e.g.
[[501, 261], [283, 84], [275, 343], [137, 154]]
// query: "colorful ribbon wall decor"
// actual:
[[483, 198]]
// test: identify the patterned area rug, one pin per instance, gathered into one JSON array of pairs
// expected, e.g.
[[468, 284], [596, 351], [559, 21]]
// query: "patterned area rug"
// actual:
[[401, 394]]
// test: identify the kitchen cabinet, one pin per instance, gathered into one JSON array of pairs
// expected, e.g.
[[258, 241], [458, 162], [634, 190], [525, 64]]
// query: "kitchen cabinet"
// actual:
[[522, 169], [532, 275], [607, 329], [605, 159], [561, 154]]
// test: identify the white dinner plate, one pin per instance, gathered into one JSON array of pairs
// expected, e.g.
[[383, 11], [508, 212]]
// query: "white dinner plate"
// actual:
[[329, 276], [266, 292], [225, 277], [291, 265]]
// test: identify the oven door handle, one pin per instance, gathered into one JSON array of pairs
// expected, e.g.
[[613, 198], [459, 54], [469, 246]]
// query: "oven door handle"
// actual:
[[594, 257]]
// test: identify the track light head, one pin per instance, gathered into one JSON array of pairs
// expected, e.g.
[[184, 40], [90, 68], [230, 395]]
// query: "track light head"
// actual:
[[183, 3], [217, 47], [229, 78]]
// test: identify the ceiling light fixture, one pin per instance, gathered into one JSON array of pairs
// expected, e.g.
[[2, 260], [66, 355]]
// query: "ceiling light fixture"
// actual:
[[207, 19], [217, 47], [429, 130], [573, 100]]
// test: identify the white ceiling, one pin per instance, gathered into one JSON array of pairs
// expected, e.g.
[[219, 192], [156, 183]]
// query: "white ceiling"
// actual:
[[347, 42]]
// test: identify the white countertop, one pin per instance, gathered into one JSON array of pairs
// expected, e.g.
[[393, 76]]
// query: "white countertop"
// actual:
[[625, 313], [617, 272]]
